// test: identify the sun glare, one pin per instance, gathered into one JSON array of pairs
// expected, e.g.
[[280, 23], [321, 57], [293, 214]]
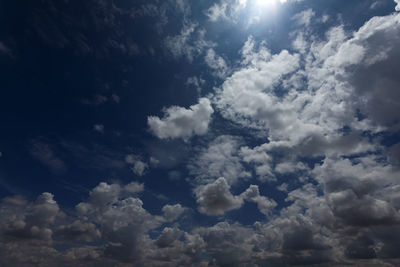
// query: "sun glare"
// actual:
[[265, 2]]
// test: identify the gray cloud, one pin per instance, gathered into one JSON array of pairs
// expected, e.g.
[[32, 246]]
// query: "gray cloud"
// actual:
[[215, 198]]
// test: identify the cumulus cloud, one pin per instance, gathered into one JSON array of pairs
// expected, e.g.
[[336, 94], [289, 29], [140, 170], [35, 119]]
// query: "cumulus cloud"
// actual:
[[264, 204], [216, 198], [182, 123], [134, 187], [31, 221], [310, 230], [172, 212], [248, 95]]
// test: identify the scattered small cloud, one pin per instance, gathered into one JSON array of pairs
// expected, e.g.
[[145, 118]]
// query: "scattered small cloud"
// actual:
[[98, 128], [45, 154], [138, 167]]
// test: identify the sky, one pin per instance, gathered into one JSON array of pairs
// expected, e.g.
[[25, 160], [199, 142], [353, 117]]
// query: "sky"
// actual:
[[200, 133]]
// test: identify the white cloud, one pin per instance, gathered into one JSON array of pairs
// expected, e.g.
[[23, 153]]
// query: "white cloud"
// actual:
[[304, 18], [398, 5], [226, 10], [247, 96], [182, 123]]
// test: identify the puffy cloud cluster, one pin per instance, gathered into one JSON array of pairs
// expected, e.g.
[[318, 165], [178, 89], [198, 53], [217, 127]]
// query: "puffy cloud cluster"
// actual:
[[355, 219], [112, 226], [216, 198], [182, 123], [317, 103]]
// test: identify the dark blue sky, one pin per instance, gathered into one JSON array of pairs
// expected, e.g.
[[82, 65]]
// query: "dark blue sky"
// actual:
[[199, 133]]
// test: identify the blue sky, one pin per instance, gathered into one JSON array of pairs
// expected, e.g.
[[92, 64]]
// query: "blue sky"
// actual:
[[200, 133]]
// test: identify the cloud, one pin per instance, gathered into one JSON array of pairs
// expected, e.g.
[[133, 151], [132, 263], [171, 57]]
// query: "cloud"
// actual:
[[124, 222], [138, 166], [134, 187], [322, 115], [182, 123], [216, 199], [264, 204], [172, 212], [189, 43], [5, 50], [79, 231], [216, 63], [304, 18], [111, 228], [196, 82], [220, 159], [44, 154], [116, 98], [30, 221], [225, 10], [248, 96], [168, 236], [98, 128], [398, 5]]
